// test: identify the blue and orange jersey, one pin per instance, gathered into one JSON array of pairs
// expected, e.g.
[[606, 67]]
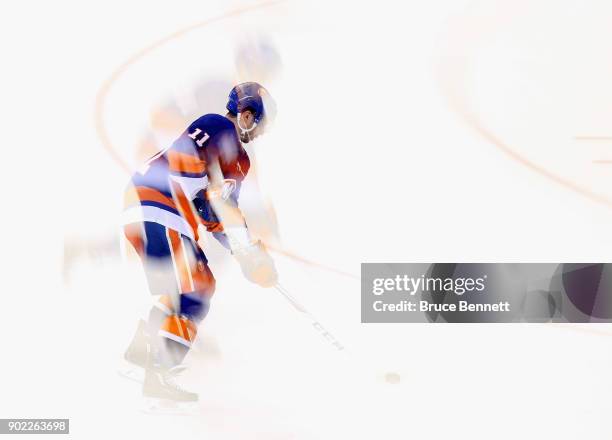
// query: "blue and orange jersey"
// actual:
[[164, 189]]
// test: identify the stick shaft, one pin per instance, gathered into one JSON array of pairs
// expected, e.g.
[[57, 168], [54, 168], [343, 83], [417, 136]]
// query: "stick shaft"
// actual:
[[313, 321]]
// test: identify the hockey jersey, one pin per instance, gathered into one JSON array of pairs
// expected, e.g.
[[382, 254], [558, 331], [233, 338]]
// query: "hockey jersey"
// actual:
[[172, 183]]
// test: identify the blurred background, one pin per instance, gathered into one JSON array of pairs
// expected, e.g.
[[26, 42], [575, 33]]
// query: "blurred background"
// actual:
[[445, 131]]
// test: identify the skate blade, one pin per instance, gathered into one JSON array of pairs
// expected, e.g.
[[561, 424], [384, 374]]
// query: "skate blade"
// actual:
[[155, 406], [134, 374], [137, 374]]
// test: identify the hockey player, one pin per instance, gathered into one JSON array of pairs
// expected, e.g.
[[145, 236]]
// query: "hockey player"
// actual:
[[194, 182]]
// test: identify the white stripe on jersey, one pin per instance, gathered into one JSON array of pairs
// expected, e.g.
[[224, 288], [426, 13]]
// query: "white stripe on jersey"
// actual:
[[137, 214], [191, 185]]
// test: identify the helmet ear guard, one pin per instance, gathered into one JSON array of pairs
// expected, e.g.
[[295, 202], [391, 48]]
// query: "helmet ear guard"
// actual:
[[245, 135], [244, 129]]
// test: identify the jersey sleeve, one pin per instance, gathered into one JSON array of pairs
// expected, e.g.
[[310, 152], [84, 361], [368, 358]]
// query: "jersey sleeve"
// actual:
[[185, 166], [183, 158], [225, 164], [225, 147]]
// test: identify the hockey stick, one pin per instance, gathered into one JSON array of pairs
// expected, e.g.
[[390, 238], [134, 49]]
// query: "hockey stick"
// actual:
[[390, 376], [313, 321]]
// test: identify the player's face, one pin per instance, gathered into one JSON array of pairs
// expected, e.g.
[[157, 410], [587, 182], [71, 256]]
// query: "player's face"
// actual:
[[247, 120]]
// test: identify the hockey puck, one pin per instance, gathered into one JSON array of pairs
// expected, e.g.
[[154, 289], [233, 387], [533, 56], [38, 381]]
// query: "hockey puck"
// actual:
[[392, 378]]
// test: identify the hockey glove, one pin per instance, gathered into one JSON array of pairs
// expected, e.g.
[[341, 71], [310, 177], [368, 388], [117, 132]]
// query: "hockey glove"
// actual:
[[257, 265]]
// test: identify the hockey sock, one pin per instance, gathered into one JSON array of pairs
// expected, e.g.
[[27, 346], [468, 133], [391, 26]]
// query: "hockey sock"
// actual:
[[169, 352]]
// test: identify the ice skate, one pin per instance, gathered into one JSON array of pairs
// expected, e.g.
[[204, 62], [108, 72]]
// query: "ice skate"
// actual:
[[135, 356], [164, 396]]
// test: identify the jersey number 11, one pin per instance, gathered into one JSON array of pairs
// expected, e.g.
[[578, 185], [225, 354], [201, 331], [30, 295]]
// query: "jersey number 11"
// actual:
[[195, 135]]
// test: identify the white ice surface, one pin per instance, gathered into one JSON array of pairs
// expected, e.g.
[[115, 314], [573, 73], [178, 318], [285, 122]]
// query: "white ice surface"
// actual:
[[367, 163]]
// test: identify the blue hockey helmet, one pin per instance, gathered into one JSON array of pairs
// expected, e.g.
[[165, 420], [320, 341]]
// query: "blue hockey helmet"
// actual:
[[251, 96]]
